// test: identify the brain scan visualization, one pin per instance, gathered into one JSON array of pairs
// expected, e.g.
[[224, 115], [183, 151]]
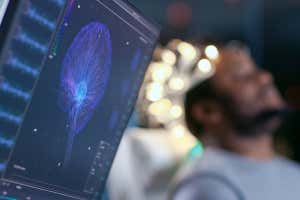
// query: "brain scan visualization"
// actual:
[[84, 76], [87, 75]]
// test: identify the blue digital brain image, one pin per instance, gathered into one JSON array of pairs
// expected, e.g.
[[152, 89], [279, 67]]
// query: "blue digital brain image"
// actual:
[[84, 77]]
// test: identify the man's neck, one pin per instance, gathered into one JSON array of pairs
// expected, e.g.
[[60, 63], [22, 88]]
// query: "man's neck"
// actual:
[[256, 148]]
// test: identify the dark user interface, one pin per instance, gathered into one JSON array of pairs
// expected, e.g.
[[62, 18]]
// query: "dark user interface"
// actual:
[[82, 101]]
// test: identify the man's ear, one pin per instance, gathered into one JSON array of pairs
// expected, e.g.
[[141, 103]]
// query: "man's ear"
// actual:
[[207, 112]]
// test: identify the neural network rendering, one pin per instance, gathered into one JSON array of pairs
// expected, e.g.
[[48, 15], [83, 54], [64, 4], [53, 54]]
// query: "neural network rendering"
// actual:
[[84, 76]]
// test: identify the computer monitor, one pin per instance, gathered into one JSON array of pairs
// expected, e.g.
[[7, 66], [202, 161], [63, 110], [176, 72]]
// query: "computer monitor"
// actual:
[[72, 74]]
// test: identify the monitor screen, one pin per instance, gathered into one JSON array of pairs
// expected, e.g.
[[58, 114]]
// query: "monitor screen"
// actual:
[[86, 89]]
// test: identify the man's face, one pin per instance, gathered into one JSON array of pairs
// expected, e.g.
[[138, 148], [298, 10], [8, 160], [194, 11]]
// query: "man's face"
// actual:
[[251, 90]]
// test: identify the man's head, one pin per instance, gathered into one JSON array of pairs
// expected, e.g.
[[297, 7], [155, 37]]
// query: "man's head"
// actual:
[[235, 99]]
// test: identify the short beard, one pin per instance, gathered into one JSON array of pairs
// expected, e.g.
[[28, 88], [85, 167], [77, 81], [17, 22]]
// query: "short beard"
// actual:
[[256, 125], [264, 122]]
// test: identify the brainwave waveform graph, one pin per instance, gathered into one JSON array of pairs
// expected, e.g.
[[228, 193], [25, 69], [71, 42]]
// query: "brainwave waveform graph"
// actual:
[[84, 76]]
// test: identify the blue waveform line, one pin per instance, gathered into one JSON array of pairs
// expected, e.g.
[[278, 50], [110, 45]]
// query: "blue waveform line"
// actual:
[[6, 198], [15, 63], [9, 88], [10, 117], [136, 59], [24, 38], [6, 142], [34, 15], [58, 2], [2, 167]]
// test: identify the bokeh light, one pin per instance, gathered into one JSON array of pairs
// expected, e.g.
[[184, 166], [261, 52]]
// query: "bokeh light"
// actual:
[[205, 66], [179, 14], [178, 131], [187, 50], [168, 57], [161, 107], [176, 111], [174, 69], [176, 84], [154, 91], [161, 71], [212, 52]]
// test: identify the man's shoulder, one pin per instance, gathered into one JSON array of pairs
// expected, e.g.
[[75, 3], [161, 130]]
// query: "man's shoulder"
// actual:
[[212, 161], [209, 188], [289, 167], [236, 173], [212, 172]]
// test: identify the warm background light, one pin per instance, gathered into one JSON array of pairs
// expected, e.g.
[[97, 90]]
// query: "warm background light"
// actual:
[[176, 84], [212, 52], [176, 111], [154, 91], [160, 107], [168, 57], [178, 131], [204, 66], [161, 71], [173, 70], [187, 50]]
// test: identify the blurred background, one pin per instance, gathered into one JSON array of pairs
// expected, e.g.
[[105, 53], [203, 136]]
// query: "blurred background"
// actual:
[[157, 142]]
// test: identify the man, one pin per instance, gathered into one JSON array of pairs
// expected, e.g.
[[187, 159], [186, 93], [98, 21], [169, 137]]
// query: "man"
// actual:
[[234, 114]]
